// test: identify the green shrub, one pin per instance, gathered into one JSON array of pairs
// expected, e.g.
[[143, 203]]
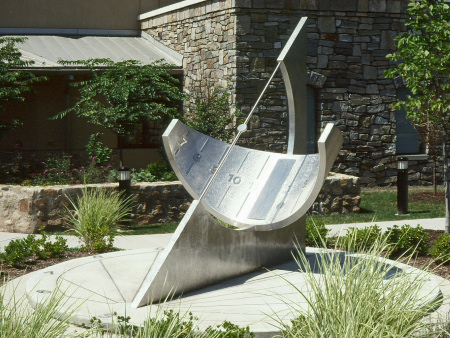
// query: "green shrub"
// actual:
[[94, 216], [211, 113], [406, 240], [18, 251], [361, 239], [169, 324], [316, 233], [156, 171], [66, 170], [98, 153], [441, 249], [44, 248], [354, 295]]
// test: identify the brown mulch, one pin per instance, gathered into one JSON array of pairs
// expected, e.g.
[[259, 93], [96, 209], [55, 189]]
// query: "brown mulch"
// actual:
[[427, 197], [8, 273]]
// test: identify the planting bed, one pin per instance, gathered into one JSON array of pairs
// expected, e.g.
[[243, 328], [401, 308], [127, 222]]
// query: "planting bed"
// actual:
[[8, 273]]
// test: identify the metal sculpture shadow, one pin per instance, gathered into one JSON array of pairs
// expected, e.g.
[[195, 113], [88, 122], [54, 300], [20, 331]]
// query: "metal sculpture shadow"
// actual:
[[264, 195]]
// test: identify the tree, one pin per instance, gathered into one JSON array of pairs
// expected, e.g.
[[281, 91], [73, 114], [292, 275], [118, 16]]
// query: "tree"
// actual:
[[121, 94], [423, 61], [14, 82]]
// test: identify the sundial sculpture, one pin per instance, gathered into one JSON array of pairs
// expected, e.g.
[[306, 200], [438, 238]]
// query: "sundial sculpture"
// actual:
[[263, 194]]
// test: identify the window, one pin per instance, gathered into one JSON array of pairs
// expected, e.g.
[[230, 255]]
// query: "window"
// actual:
[[144, 135], [408, 138]]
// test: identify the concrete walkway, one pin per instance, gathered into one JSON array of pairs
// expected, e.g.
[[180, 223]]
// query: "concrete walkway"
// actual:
[[146, 241], [103, 284]]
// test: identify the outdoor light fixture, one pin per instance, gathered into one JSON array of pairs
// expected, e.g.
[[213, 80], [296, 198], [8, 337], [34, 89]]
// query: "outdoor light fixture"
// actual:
[[402, 163], [125, 180], [402, 186]]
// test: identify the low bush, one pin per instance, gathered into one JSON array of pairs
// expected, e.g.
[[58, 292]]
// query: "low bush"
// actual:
[[360, 239], [168, 324], [407, 239], [18, 251], [441, 249], [316, 233], [94, 215], [66, 169], [155, 172]]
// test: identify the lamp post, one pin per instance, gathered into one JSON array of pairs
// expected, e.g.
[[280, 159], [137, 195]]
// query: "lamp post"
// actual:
[[125, 180], [402, 186]]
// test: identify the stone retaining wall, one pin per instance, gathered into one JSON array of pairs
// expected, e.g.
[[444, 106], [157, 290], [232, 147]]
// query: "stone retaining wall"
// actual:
[[25, 209]]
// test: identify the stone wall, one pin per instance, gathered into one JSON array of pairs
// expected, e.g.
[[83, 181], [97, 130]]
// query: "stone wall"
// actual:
[[348, 41], [25, 209], [204, 34]]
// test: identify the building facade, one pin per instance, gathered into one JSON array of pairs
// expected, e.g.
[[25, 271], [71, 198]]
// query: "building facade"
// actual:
[[234, 44]]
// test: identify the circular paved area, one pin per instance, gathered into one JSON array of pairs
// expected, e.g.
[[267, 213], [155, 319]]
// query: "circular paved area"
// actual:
[[103, 284]]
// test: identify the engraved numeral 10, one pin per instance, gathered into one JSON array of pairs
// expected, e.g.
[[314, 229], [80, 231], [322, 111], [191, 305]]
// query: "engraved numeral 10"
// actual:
[[234, 179]]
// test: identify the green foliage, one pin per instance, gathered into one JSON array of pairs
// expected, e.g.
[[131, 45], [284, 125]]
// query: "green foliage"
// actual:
[[156, 171], [94, 215], [14, 83], [161, 171], [121, 94], [406, 240], [424, 63], [316, 233], [49, 319], [170, 324], [98, 154], [44, 248], [142, 175], [18, 251], [62, 170], [361, 239], [359, 296], [211, 113], [441, 249]]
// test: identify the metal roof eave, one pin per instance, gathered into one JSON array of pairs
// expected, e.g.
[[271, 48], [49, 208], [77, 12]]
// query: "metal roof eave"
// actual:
[[46, 50]]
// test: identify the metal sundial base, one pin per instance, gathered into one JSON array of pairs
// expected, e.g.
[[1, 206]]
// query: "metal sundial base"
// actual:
[[203, 252]]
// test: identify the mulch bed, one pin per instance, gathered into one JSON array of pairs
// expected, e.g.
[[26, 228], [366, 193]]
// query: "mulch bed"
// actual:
[[427, 197], [421, 262], [8, 273]]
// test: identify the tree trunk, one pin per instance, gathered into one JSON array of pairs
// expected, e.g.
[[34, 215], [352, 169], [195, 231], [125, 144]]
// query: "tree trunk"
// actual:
[[447, 186]]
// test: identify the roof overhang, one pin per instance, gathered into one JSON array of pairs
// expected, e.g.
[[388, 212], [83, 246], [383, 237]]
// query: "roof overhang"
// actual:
[[46, 50]]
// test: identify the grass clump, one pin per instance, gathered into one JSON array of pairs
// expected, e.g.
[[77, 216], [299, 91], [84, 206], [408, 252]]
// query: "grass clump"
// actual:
[[94, 216], [47, 320], [356, 295]]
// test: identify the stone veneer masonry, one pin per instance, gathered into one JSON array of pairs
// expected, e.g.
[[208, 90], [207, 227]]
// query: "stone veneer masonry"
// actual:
[[25, 209], [235, 43]]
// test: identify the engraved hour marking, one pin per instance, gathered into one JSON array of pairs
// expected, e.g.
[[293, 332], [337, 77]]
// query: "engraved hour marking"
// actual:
[[183, 143]]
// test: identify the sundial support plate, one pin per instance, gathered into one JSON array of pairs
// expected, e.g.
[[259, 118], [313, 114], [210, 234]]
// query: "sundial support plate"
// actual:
[[203, 252]]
